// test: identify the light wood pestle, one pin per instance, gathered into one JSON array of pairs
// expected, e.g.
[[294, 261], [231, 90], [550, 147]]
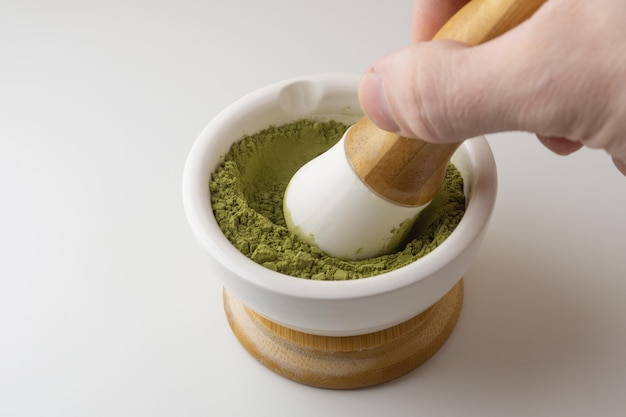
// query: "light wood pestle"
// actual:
[[410, 171]]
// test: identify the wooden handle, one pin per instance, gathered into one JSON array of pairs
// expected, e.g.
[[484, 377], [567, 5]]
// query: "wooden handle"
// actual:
[[410, 171]]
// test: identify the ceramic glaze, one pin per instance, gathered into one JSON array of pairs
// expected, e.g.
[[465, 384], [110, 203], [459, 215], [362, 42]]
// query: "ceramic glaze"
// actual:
[[332, 308]]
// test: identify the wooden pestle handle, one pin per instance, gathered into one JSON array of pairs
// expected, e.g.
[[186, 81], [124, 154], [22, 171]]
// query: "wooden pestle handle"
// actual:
[[410, 171]]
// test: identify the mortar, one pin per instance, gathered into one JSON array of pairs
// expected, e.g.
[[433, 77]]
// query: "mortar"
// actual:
[[312, 331]]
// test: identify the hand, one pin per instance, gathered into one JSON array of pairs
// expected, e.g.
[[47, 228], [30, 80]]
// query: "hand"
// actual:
[[561, 74]]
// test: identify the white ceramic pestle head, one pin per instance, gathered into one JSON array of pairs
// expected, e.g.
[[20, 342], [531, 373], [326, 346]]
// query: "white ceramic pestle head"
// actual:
[[328, 205]]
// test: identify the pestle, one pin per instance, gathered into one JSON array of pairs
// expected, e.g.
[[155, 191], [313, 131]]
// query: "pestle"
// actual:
[[360, 198]]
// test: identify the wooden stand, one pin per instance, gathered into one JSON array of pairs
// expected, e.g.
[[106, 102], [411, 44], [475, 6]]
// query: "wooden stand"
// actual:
[[350, 361]]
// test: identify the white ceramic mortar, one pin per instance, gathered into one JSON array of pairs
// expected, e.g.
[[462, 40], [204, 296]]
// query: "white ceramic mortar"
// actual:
[[331, 308]]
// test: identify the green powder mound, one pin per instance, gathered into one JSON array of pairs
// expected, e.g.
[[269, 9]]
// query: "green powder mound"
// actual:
[[247, 197]]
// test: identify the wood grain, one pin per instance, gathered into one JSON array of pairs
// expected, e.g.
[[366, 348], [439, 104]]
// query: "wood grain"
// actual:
[[345, 362]]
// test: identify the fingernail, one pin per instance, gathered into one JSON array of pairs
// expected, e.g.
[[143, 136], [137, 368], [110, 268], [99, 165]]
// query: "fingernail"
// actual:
[[620, 164], [374, 101], [559, 145]]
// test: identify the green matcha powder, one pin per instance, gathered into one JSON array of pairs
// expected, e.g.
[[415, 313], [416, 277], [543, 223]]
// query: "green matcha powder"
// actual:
[[247, 194]]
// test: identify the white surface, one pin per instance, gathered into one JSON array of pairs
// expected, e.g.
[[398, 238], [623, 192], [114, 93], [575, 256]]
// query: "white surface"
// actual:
[[106, 304]]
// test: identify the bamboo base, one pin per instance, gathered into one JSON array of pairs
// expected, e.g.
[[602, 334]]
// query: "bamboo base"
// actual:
[[351, 361]]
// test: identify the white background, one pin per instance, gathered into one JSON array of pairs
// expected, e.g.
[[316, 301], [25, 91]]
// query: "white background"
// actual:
[[108, 306]]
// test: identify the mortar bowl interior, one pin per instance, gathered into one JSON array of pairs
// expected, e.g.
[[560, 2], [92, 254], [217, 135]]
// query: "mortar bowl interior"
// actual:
[[329, 308]]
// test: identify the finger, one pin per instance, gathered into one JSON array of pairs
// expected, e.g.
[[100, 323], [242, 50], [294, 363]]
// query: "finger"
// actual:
[[438, 91], [430, 15], [558, 145], [620, 164]]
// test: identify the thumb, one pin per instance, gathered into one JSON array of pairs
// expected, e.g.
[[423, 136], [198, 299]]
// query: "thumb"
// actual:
[[440, 91]]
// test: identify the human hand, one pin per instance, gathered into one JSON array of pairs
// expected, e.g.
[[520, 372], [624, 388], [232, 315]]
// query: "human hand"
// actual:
[[561, 74]]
